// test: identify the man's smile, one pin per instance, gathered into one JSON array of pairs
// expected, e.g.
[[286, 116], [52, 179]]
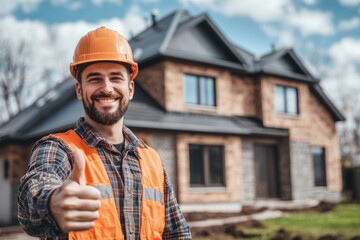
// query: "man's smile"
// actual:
[[106, 100]]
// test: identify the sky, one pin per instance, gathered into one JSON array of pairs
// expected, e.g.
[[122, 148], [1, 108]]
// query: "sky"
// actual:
[[324, 33]]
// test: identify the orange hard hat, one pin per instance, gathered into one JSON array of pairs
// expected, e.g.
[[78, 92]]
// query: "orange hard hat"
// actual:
[[103, 44]]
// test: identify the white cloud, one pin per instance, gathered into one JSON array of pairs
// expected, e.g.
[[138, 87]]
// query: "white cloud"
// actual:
[[286, 39], [134, 20], [206, 3], [101, 2], [344, 77], [283, 12], [349, 24], [70, 4], [349, 2], [346, 51], [150, 1], [26, 6], [77, 4], [310, 2], [255, 9], [311, 22], [271, 30]]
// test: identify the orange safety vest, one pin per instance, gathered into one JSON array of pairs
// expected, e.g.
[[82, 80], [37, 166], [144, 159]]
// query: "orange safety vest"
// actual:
[[107, 226]]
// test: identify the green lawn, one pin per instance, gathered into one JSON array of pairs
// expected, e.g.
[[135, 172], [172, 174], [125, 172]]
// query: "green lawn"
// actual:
[[343, 222]]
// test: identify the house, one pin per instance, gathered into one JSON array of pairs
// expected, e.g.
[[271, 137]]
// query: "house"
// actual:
[[231, 129]]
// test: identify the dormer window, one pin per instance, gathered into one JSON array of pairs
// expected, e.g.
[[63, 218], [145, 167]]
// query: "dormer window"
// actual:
[[199, 90], [286, 100]]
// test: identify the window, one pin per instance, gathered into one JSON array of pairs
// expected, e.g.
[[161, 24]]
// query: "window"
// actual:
[[199, 90], [318, 155], [286, 100], [206, 165]]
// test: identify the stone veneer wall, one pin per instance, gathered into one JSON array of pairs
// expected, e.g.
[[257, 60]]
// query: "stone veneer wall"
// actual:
[[301, 171], [249, 171], [303, 176], [165, 145]]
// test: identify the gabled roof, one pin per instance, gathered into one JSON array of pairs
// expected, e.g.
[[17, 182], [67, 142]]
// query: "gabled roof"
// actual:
[[285, 63], [61, 112], [183, 36], [319, 93]]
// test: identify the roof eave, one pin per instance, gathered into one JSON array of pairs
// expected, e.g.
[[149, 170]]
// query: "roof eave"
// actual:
[[196, 59]]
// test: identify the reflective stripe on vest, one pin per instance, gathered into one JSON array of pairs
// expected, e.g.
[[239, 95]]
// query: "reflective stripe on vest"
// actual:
[[107, 226]]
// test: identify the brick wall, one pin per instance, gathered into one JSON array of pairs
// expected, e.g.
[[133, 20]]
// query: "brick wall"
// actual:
[[151, 79], [235, 95], [233, 170], [18, 156]]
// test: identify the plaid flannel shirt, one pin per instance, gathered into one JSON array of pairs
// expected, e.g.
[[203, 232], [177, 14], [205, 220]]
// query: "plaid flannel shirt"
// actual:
[[50, 165]]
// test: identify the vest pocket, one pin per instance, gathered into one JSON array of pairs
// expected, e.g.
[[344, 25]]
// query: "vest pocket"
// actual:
[[153, 216]]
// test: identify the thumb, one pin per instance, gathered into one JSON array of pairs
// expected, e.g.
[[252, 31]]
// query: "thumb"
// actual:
[[78, 172]]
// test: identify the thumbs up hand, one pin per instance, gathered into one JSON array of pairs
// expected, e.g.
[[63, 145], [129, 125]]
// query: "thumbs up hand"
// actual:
[[74, 205]]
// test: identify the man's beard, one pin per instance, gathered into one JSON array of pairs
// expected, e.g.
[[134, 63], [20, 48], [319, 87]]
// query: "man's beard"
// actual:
[[106, 118]]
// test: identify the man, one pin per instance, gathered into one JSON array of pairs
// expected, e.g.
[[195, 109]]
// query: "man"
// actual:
[[98, 181]]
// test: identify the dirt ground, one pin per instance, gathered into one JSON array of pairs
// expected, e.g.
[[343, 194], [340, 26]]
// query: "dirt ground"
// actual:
[[231, 230]]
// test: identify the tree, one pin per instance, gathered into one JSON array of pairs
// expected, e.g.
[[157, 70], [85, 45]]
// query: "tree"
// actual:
[[14, 65], [23, 77], [349, 131]]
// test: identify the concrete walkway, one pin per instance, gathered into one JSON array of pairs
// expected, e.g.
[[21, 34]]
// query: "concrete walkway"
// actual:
[[218, 222]]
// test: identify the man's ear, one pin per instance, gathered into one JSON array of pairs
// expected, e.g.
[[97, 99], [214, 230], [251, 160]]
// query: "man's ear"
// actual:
[[131, 89], [78, 90]]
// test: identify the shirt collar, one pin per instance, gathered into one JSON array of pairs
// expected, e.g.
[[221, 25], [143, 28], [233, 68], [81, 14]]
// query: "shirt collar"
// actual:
[[93, 138]]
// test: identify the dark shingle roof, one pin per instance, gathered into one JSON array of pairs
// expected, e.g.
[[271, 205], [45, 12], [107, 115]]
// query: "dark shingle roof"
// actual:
[[62, 111], [183, 36], [285, 63]]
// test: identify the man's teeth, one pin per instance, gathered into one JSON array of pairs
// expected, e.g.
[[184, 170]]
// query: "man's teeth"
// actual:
[[106, 100]]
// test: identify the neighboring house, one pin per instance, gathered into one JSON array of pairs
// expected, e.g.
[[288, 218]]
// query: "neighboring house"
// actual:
[[231, 129]]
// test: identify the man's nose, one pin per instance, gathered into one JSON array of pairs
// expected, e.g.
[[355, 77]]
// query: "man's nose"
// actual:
[[107, 86]]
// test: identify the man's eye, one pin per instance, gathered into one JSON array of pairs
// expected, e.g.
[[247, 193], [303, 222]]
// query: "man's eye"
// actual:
[[94, 79], [116, 79]]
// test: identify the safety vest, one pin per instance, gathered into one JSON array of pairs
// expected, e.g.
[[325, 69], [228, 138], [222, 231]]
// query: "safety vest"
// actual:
[[107, 226]]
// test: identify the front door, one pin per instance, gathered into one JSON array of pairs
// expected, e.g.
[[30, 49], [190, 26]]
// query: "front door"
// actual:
[[266, 171]]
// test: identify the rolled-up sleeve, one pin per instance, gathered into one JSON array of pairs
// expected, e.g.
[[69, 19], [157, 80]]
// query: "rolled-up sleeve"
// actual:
[[49, 166]]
